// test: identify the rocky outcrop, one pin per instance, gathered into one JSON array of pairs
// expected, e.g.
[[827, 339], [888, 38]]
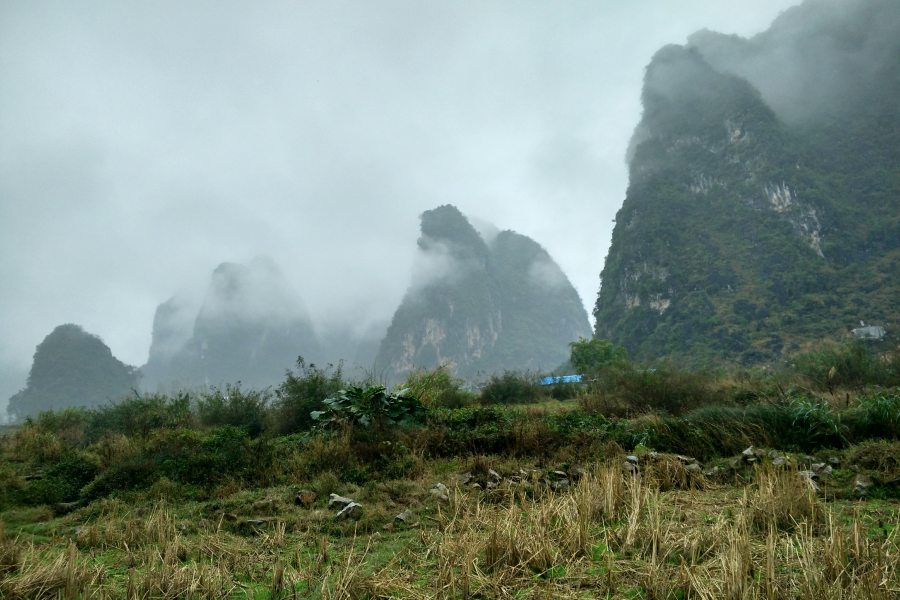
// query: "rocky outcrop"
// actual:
[[481, 305]]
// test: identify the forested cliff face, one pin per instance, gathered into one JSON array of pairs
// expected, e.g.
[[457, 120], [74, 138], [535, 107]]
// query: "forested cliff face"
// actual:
[[763, 207], [251, 327], [483, 304]]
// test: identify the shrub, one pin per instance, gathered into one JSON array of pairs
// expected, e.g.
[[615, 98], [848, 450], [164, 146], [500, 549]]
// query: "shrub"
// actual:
[[660, 390], [563, 391], [139, 415], [235, 407], [302, 393], [512, 387]]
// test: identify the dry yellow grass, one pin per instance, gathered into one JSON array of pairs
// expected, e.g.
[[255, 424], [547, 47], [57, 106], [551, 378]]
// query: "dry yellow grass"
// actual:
[[613, 535]]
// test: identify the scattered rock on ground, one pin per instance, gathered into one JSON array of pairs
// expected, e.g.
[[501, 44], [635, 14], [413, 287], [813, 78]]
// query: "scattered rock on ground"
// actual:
[[778, 461], [561, 485], [339, 501], [748, 452], [862, 483], [258, 522], [817, 467], [465, 478], [440, 491], [629, 468], [835, 461], [692, 468], [715, 471], [632, 459], [406, 516], [351, 511], [305, 498], [809, 474], [826, 472]]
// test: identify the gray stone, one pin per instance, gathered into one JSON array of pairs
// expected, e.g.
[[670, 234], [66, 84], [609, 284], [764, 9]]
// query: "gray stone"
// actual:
[[826, 472], [476, 486], [632, 459], [773, 454], [561, 485], [778, 461], [809, 475], [406, 516], [748, 452], [817, 467], [440, 491], [654, 455], [465, 478], [258, 522], [351, 511], [693, 468], [630, 468], [759, 453], [715, 471], [494, 475], [862, 483], [751, 461], [560, 474], [577, 473], [736, 463], [339, 501], [835, 461], [492, 485]]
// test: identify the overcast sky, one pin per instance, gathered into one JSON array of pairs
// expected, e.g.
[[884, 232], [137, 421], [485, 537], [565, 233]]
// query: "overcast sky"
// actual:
[[143, 143]]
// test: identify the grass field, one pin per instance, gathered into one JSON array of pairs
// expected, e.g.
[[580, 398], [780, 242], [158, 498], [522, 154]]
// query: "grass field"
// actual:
[[664, 531]]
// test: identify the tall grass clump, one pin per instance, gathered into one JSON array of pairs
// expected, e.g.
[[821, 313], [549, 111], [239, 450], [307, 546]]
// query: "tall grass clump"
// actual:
[[437, 388], [850, 365]]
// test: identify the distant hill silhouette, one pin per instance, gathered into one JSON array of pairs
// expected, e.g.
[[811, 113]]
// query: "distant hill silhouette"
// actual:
[[72, 368], [251, 327]]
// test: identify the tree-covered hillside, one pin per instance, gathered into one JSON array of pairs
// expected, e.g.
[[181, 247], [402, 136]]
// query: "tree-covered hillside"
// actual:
[[72, 368], [763, 208], [484, 305]]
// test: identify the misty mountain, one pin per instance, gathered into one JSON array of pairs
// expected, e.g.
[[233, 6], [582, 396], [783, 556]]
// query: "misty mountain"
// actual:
[[72, 368], [763, 206], [483, 302], [251, 327]]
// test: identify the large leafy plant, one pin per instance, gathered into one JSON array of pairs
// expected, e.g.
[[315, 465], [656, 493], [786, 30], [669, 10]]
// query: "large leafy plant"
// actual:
[[367, 406]]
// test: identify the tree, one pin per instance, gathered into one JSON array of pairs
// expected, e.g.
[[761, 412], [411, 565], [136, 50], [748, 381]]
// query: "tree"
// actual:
[[593, 354]]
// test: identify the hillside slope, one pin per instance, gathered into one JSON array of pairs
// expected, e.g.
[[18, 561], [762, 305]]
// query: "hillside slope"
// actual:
[[763, 207]]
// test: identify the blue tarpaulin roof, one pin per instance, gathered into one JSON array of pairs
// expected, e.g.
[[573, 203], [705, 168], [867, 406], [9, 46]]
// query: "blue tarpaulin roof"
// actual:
[[561, 379]]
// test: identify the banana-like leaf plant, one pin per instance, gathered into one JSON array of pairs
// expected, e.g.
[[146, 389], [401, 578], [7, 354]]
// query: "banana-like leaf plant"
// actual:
[[365, 406]]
